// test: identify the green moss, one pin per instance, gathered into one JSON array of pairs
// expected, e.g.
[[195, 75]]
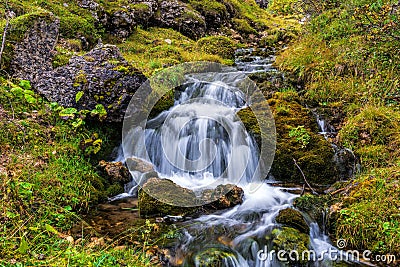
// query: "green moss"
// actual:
[[290, 239], [217, 45], [368, 218], [242, 26], [293, 218], [137, 49], [165, 103], [209, 8], [80, 79], [283, 7], [250, 122]]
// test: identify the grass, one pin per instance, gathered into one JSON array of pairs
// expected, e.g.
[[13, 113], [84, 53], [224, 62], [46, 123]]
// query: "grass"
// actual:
[[46, 182], [156, 48], [342, 64]]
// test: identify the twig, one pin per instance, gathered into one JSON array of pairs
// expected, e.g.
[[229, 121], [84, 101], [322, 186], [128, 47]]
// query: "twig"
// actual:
[[338, 191], [303, 190], [304, 177], [3, 42]]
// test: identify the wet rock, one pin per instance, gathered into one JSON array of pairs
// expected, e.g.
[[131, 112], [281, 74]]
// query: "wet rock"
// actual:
[[102, 75], [115, 172], [140, 165], [231, 196], [162, 197], [293, 218]]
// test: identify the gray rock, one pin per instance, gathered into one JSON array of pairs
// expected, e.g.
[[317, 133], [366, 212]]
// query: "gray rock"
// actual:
[[34, 53], [103, 76], [176, 15]]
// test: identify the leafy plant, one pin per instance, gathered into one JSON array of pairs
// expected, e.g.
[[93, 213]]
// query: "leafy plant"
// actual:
[[301, 134], [78, 96], [99, 111]]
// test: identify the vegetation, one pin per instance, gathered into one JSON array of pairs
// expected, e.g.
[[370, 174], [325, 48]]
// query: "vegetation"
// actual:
[[348, 59], [156, 48], [47, 181]]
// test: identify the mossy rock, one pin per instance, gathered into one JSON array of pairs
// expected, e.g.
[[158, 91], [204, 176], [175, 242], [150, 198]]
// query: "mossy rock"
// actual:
[[320, 209], [17, 29], [243, 26], [164, 103], [217, 45], [250, 122], [290, 239], [298, 139], [166, 192], [215, 256], [293, 218], [161, 197]]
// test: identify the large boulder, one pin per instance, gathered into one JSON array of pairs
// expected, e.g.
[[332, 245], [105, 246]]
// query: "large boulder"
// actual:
[[161, 197], [102, 76], [299, 146]]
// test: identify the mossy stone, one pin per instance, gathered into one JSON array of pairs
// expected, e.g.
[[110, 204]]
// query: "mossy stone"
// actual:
[[167, 193], [213, 257], [293, 218], [16, 32], [290, 239], [217, 45]]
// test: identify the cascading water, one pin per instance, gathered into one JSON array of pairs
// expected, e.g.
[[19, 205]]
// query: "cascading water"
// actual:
[[205, 144]]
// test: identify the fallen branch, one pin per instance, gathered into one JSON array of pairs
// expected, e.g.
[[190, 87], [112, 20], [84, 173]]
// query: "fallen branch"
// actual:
[[304, 177]]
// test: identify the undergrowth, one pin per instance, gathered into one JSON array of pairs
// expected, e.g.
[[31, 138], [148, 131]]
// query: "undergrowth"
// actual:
[[348, 59]]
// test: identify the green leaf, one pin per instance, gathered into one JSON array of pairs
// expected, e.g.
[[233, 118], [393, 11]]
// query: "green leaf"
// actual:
[[51, 229], [17, 91], [78, 123], [68, 208], [23, 246], [100, 111], [30, 99], [68, 112], [78, 96], [25, 84]]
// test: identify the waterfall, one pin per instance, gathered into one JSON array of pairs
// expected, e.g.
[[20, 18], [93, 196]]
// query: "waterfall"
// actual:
[[200, 143]]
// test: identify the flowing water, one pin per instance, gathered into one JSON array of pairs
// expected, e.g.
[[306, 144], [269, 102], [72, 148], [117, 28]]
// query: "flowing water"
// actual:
[[205, 144]]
